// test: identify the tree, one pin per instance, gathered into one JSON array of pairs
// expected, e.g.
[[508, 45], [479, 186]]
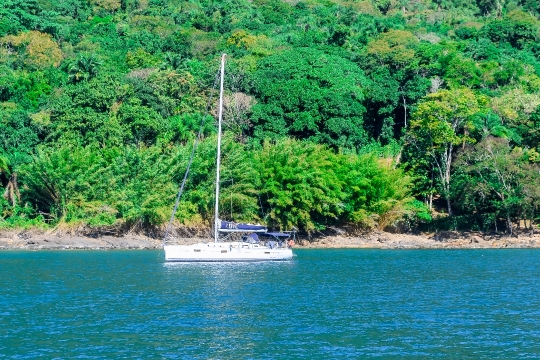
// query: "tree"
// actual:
[[300, 186], [236, 110], [37, 50], [308, 94], [497, 177], [519, 111], [18, 136], [96, 187], [109, 5], [396, 81], [442, 122], [84, 68], [516, 30], [492, 6], [462, 72], [172, 61], [376, 193], [143, 124], [530, 5], [395, 48], [11, 193]]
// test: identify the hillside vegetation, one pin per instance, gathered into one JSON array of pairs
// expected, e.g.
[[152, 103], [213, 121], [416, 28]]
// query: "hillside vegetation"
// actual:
[[364, 114]]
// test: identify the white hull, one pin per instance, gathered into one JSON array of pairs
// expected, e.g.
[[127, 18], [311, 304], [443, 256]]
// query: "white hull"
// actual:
[[225, 251]]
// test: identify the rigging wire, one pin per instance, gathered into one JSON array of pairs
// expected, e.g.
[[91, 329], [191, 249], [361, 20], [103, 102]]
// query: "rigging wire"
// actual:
[[196, 142]]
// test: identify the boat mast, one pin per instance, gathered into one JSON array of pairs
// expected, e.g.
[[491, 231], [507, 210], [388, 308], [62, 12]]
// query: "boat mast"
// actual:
[[218, 158]]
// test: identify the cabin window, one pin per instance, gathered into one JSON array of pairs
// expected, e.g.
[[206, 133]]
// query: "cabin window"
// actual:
[[267, 252], [197, 250], [223, 251]]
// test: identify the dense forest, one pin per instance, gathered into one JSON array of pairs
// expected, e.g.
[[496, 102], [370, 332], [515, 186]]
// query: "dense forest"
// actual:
[[421, 114]]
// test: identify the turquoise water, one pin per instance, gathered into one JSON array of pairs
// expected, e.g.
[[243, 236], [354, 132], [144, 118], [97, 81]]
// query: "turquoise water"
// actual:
[[324, 304]]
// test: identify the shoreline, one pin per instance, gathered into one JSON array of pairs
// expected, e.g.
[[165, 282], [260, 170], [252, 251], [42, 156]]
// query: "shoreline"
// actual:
[[443, 240], [36, 240]]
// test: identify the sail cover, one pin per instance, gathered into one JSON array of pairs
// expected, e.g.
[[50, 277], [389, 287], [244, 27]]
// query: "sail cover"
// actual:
[[276, 234], [229, 226]]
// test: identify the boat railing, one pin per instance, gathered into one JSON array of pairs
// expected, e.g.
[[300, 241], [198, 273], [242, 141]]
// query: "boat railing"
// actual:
[[272, 240]]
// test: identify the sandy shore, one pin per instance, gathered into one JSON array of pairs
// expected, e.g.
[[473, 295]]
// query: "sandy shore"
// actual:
[[36, 240]]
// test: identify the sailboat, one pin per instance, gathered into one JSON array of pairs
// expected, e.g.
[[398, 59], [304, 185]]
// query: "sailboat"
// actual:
[[257, 245]]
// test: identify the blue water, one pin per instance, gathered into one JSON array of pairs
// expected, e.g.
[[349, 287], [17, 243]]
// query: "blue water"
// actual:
[[453, 304]]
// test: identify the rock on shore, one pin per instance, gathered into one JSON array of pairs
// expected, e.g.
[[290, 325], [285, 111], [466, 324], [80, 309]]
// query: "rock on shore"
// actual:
[[29, 241], [443, 240], [42, 240]]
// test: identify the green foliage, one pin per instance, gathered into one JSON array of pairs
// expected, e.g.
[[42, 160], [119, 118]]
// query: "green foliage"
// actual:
[[4, 164], [100, 102], [18, 135], [377, 195], [300, 185], [84, 68], [239, 183], [140, 59], [516, 32], [73, 184], [497, 181], [441, 123], [309, 95], [308, 186], [19, 217]]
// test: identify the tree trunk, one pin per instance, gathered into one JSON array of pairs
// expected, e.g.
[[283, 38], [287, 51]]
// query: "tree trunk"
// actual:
[[531, 222], [12, 194], [405, 110], [398, 157], [509, 225], [447, 173]]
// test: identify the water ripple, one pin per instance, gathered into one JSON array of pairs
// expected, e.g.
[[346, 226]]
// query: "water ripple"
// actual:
[[323, 304]]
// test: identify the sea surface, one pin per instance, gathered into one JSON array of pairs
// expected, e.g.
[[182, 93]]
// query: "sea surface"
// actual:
[[325, 304]]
